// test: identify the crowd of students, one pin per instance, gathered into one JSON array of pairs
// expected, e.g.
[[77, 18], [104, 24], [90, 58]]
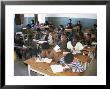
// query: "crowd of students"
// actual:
[[72, 42]]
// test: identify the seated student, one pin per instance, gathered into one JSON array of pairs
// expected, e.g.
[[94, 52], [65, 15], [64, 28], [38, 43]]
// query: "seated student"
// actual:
[[87, 39], [50, 38], [63, 42], [69, 25], [45, 50], [37, 25], [79, 24], [32, 48], [32, 23], [75, 45], [61, 29], [55, 54], [18, 41], [46, 23], [70, 62], [28, 26], [45, 35]]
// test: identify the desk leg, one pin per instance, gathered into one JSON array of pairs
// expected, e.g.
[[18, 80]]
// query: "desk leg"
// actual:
[[29, 70]]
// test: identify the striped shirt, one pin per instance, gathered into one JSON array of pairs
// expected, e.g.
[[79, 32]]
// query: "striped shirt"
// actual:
[[76, 66]]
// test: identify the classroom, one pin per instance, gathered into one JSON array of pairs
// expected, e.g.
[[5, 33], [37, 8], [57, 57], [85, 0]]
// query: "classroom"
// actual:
[[57, 44]]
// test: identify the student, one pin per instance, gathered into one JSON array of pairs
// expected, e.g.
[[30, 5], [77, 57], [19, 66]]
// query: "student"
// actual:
[[32, 48], [61, 29], [50, 38], [37, 28], [45, 50], [69, 25], [32, 23], [79, 24], [87, 39], [37, 25], [75, 45], [46, 23], [70, 62], [28, 26], [55, 54], [63, 42], [18, 41]]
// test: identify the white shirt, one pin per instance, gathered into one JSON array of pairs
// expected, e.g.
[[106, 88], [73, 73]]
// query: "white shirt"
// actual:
[[69, 45], [78, 46], [50, 40]]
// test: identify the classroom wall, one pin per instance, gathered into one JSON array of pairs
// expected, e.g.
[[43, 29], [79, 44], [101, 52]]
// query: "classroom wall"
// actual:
[[86, 22], [28, 18]]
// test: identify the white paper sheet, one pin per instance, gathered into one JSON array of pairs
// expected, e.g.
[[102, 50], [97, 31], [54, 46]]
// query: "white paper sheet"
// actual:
[[57, 48], [41, 42], [46, 60], [56, 68]]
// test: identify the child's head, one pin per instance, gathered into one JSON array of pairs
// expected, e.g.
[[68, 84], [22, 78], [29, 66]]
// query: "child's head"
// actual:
[[63, 37], [45, 45], [69, 58]]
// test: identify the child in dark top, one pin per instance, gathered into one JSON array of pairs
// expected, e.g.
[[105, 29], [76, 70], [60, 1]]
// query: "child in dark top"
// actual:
[[69, 25], [46, 23]]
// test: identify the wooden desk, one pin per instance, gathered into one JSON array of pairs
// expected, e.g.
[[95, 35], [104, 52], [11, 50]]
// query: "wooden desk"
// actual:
[[45, 69], [89, 49], [82, 58]]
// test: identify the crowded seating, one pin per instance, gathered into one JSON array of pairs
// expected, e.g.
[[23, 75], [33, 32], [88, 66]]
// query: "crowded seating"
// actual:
[[46, 42]]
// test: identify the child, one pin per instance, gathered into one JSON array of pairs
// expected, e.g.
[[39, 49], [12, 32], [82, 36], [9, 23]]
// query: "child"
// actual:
[[71, 63], [45, 49]]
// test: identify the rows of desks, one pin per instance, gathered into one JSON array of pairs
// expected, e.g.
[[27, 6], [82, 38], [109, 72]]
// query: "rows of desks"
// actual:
[[45, 69]]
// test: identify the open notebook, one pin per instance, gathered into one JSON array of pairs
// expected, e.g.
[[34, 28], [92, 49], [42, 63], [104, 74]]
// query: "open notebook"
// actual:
[[47, 60]]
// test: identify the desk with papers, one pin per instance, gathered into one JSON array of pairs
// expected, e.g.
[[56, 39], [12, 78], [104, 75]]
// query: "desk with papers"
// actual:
[[45, 69]]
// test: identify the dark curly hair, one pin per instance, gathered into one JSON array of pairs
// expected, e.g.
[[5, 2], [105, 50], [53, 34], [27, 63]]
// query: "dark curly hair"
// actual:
[[69, 58], [45, 45]]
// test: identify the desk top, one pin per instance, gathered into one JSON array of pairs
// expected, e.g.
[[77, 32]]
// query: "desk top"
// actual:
[[45, 68], [90, 49], [82, 58]]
